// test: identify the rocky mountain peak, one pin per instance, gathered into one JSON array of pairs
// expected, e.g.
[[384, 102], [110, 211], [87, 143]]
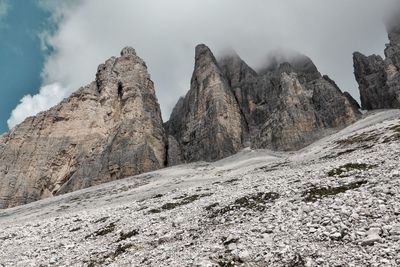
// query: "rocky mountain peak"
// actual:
[[118, 78], [205, 59], [229, 105], [202, 49], [107, 130], [378, 78], [288, 61], [128, 51], [206, 124]]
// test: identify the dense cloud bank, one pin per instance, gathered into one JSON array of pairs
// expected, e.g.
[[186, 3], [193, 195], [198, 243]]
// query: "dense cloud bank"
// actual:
[[165, 33]]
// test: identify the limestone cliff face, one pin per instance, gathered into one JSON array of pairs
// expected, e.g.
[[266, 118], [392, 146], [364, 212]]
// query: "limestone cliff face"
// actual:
[[378, 78], [207, 123], [284, 106], [302, 112], [288, 103], [108, 130]]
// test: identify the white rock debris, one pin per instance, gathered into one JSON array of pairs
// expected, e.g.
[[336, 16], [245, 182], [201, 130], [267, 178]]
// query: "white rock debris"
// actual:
[[334, 203]]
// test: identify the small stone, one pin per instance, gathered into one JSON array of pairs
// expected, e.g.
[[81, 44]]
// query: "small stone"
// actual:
[[370, 240], [336, 236], [395, 173], [373, 236], [395, 230], [360, 233], [244, 255], [232, 246]]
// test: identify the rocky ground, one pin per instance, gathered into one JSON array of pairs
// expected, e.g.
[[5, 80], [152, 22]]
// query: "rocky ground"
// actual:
[[334, 203]]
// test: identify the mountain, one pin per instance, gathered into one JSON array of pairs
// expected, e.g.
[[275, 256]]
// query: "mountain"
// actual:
[[112, 128], [333, 203], [207, 123], [285, 106], [107, 130], [379, 79]]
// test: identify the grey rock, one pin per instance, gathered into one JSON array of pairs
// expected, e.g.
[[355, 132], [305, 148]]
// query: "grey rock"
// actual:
[[207, 123], [352, 101], [373, 236], [379, 79], [336, 235], [174, 152], [285, 106], [301, 112], [395, 230], [105, 131]]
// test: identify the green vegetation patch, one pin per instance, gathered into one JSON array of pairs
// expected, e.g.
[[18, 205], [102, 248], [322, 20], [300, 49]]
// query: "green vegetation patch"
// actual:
[[124, 236], [227, 261], [297, 261], [255, 201], [350, 167], [103, 231], [182, 201], [101, 220], [358, 139], [314, 194], [232, 181], [121, 249], [274, 167], [211, 206], [395, 136], [395, 128]]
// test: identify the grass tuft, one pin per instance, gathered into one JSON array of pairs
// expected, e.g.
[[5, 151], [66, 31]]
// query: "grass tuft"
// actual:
[[315, 194], [350, 167]]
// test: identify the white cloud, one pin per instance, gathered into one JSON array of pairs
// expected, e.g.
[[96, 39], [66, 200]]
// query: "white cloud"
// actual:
[[48, 96], [164, 34]]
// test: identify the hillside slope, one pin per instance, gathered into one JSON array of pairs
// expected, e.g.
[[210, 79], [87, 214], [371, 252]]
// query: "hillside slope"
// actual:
[[334, 203]]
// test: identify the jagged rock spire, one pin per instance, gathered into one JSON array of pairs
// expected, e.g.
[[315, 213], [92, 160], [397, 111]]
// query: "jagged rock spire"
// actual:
[[207, 123]]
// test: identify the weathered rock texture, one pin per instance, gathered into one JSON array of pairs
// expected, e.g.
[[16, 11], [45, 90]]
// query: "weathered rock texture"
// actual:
[[207, 123], [285, 106], [108, 130], [379, 79]]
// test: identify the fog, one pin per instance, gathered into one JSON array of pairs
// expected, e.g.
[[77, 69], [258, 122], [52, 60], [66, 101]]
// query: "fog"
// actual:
[[164, 33]]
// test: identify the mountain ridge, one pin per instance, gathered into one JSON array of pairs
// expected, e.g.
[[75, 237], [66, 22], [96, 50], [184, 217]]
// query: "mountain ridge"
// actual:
[[284, 108]]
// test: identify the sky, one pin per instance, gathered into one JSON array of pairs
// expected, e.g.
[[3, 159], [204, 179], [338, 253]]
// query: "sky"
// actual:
[[21, 56], [50, 48]]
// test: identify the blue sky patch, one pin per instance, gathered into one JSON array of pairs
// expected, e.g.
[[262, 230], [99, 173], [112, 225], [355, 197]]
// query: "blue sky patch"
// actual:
[[21, 56]]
